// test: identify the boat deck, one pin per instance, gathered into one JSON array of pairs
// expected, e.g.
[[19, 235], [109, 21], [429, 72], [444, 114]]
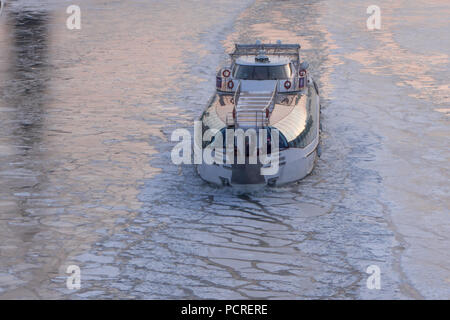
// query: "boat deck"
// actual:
[[223, 107]]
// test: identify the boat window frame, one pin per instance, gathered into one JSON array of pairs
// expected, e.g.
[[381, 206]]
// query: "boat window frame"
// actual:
[[287, 67]]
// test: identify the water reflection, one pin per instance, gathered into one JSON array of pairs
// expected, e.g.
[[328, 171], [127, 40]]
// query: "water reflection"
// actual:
[[29, 73], [24, 89], [25, 94]]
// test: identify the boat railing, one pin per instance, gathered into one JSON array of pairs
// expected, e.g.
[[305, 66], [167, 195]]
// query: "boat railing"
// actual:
[[264, 113], [291, 50], [261, 120], [229, 119], [271, 103], [236, 94]]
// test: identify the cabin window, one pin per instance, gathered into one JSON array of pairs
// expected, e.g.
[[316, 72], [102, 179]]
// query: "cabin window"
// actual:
[[258, 72]]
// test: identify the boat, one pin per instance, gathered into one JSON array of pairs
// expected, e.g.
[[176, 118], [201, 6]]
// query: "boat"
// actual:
[[269, 91]]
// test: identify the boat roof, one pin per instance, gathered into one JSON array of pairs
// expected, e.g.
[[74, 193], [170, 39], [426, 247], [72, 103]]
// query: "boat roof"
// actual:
[[292, 51]]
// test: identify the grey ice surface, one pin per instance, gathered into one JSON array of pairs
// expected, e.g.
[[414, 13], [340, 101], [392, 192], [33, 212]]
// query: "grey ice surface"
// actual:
[[85, 173]]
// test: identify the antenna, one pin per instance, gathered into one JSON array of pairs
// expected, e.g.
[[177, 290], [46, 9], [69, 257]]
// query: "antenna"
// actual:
[[261, 57]]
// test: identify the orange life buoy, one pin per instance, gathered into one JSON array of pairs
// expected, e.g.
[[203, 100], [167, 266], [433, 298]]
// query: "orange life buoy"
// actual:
[[226, 73], [230, 84]]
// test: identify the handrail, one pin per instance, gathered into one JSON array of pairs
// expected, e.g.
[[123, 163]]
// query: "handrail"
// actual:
[[272, 98], [229, 120], [261, 115], [272, 101], [237, 93]]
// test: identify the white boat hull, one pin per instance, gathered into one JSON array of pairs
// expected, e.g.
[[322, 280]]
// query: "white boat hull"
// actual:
[[295, 164]]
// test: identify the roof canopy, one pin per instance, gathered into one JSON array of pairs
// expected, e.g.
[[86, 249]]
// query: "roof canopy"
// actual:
[[291, 50]]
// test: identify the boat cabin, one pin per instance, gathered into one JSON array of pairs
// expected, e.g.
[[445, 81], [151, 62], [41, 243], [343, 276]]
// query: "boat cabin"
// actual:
[[264, 62]]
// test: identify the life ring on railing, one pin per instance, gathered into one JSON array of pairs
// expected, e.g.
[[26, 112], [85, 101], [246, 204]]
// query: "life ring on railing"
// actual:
[[226, 73], [267, 113], [287, 84], [234, 113], [302, 73], [230, 84]]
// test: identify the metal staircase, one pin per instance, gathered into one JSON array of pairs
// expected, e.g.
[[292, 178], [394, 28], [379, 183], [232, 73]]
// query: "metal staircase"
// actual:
[[251, 107]]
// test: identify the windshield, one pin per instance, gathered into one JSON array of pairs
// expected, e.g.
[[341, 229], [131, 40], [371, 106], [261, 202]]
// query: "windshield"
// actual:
[[254, 72]]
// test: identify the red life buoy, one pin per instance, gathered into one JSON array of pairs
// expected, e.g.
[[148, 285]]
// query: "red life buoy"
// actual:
[[230, 84], [267, 113], [226, 73], [234, 113], [302, 73], [287, 84]]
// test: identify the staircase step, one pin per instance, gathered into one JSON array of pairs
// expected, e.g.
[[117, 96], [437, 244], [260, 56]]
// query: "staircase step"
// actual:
[[255, 107], [249, 119], [264, 102], [253, 101], [256, 97], [256, 93], [249, 111]]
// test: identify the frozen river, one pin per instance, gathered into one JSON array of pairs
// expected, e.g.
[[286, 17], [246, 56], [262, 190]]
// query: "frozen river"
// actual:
[[86, 178]]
